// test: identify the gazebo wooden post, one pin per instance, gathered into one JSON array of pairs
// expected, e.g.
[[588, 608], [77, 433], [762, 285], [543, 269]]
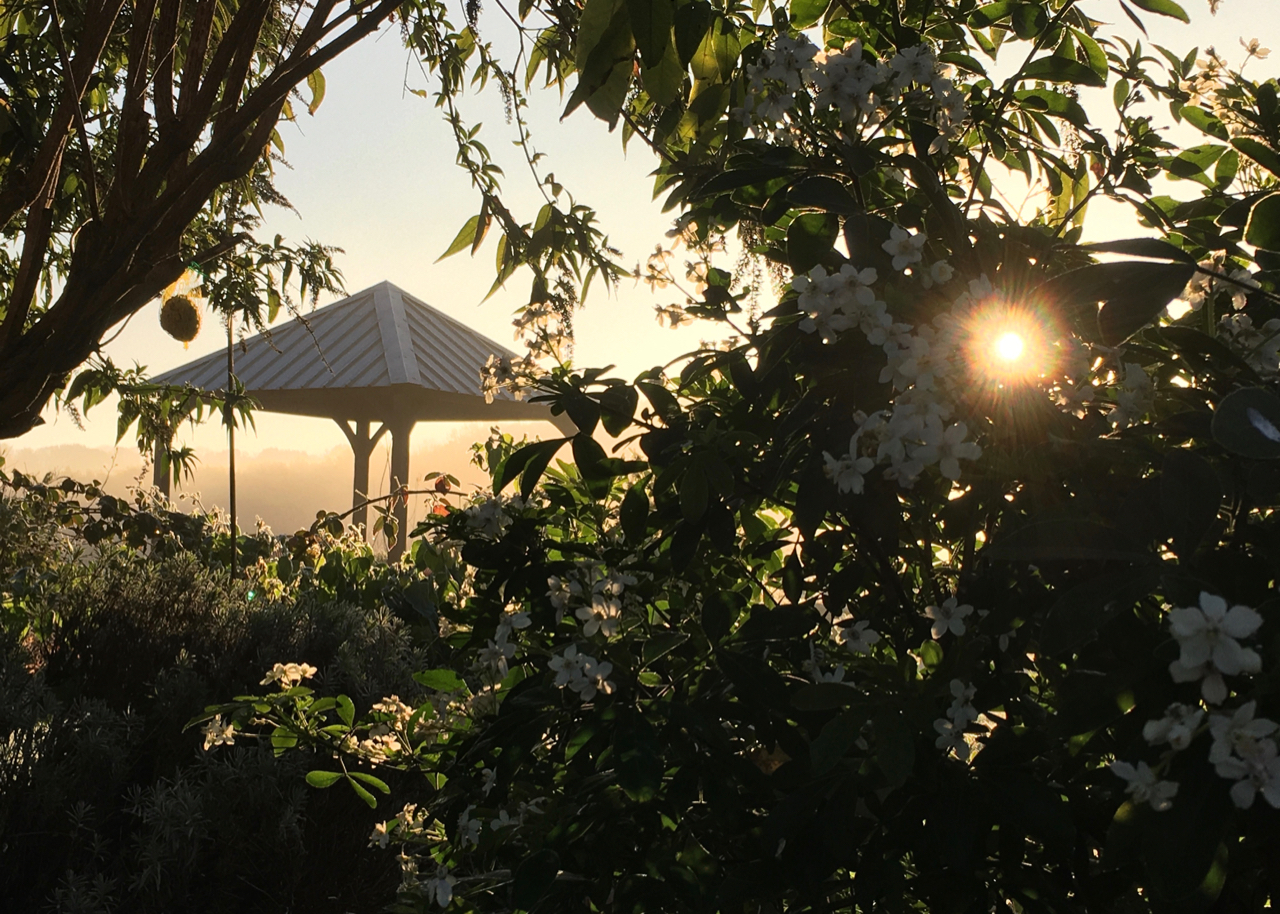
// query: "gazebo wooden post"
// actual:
[[401, 430], [362, 445]]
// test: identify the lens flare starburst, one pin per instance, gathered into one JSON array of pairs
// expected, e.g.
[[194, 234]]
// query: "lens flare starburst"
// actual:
[[1007, 345]]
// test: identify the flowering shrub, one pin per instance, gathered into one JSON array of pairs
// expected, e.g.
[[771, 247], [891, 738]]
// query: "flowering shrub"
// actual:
[[946, 581]]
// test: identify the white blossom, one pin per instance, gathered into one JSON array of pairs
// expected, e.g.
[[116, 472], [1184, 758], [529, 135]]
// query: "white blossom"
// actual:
[[949, 617], [1242, 752], [1134, 398], [440, 886], [951, 738], [219, 732], [904, 247], [962, 712], [1207, 637], [939, 273], [848, 472], [604, 615], [468, 829], [289, 674], [913, 65], [1177, 727], [1144, 786], [595, 678], [858, 637]]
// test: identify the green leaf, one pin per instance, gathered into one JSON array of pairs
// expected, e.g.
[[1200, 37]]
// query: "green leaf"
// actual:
[[809, 240], [805, 13], [594, 22], [373, 782], [639, 763], [534, 878], [1247, 422], [664, 81], [1205, 122], [315, 82], [370, 800], [1142, 301], [531, 460], [1154, 248], [1163, 7], [633, 514], [1263, 229], [651, 22], [694, 493], [346, 710], [618, 408], [323, 779], [716, 57], [986, 16], [1054, 103], [1133, 293], [1190, 494], [836, 738], [1261, 153], [691, 23], [1093, 51], [1029, 20], [440, 680], [1065, 540], [464, 239], [661, 644], [895, 746], [1062, 70], [1076, 615]]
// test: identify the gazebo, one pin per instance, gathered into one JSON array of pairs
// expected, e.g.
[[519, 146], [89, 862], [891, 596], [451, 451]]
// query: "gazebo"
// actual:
[[379, 357]]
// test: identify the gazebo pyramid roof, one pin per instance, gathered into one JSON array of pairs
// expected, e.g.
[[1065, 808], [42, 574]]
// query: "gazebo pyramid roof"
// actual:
[[380, 354]]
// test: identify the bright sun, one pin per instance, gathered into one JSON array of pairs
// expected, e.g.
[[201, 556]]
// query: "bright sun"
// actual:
[[1009, 346]]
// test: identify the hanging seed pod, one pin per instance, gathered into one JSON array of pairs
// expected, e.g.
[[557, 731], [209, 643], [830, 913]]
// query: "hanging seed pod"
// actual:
[[180, 318]]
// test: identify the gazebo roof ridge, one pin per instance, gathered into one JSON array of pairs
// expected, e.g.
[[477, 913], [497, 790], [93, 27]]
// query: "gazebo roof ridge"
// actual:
[[381, 339]]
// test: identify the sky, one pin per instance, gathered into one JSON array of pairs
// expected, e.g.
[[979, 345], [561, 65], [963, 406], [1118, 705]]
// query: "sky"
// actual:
[[373, 172]]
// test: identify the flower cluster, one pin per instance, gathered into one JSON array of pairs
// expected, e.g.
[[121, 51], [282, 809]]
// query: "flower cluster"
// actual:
[[490, 515], [1206, 283], [289, 674], [794, 77], [502, 374], [1243, 752], [1258, 346], [582, 673], [921, 364], [219, 732], [1134, 397], [1208, 638], [951, 729], [493, 658], [597, 596], [813, 666]]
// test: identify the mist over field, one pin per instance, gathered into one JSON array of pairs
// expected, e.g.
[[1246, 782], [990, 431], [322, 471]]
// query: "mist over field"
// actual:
[[283, 487]]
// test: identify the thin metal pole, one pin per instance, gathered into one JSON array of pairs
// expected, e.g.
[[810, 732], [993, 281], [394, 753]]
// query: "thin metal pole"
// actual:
[[229, 418]]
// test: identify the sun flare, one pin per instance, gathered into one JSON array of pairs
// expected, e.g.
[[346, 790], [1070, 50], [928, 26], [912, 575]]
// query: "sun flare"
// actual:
[[1007, 345]]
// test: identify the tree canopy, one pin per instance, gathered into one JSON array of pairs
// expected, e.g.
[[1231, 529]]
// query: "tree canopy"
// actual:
[[136, 141]]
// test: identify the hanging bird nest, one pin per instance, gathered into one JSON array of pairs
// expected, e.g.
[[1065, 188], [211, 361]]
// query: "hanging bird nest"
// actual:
[[180, 318], [180, 313]]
